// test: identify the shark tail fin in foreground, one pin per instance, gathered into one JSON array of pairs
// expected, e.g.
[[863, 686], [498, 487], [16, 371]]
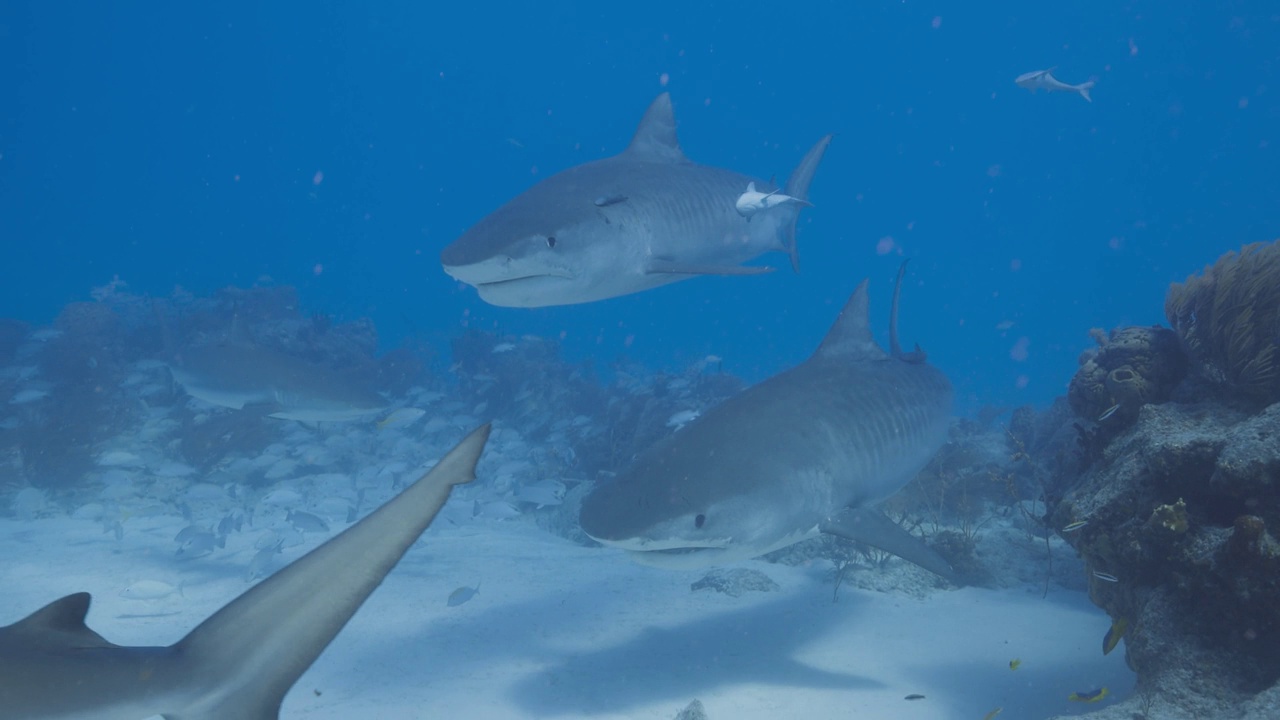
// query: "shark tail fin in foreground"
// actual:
[[798, 188], [1084, 88], [251, 652]]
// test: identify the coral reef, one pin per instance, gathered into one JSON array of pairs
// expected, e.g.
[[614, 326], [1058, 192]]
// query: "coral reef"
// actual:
[[1180, 515], [1228, 321], [1131, 367]]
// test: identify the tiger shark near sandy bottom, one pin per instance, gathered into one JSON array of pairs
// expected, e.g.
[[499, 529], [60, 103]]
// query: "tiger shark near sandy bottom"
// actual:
[[640, 219], [811, 450], [241, 375], [240, 663]]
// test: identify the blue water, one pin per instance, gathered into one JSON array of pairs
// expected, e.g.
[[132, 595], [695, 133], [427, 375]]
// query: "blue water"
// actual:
[[339, 147]]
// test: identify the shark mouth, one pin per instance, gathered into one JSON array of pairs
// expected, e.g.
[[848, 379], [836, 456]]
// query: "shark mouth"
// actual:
[[525, 279], [677, 554], [493, 273], [690, 558]]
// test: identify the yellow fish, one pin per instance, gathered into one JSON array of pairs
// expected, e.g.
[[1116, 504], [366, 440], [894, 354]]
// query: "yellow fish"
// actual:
[[993, 713], [1015, 663], [1114, 633], [1089, 697]]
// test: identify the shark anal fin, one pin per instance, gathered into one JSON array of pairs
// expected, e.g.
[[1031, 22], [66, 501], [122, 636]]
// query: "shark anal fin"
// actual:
[[872, 527], [657, 266]]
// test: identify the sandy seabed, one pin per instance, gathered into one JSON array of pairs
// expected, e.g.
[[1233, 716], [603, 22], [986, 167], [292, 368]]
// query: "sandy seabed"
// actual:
[[563, 631]]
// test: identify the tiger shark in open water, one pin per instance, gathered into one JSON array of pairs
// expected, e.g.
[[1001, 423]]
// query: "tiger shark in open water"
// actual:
[[812, 450], [643, 218], [239, 663], [241, 375]]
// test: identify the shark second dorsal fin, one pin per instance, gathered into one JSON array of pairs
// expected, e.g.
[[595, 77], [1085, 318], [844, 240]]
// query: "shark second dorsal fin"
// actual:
[[63, 617], [850, 336], [655, 140]]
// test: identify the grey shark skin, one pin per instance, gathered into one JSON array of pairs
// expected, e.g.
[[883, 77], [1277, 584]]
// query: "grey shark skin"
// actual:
[[239, 663], [241, 375], [640, 219], [813, 449]]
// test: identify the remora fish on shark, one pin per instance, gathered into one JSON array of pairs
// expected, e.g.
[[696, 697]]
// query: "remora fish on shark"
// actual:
[[240, 375], [241, 661], [753, 201], [640, 219], [811, 450]]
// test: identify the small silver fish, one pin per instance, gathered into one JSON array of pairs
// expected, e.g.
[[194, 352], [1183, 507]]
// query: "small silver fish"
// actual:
[[682, 418], [401, 418], [607, 200], [1072, 527], [187, 533], [231, 522], [1044, 80], [201, 543], [306, 522], [1109, 412], [462, 594], [261, 561], [150, 590], [753, 201], [1107, 577]]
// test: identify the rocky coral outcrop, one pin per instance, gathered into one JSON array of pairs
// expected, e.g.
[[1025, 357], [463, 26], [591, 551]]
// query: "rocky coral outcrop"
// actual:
[[1182, 510], [1131, 367]]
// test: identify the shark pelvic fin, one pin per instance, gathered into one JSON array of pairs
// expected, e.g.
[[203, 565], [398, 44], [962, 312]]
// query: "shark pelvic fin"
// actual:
[[658, 266], [872, 527], [655, 139], [850, 335], [798, 188]]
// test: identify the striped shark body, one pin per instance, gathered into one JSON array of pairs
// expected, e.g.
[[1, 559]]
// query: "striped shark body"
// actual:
[[814, 449], [640, 219]]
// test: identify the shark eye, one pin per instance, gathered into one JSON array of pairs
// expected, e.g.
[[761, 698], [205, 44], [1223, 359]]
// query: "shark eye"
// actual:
[[551, 241], [700, 520]]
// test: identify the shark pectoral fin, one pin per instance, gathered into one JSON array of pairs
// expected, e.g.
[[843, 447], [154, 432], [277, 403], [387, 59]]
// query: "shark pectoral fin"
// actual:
[[874, 528], [656, 266]]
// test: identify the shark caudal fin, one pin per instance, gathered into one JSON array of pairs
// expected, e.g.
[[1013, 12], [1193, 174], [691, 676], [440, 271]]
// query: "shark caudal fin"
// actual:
[[798, 188], [1084, 88], [244, 659]]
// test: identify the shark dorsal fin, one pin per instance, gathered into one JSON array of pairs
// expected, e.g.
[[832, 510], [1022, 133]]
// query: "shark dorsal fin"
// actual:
[[64, 617], [655, 140], [751, 187], [850, 336]]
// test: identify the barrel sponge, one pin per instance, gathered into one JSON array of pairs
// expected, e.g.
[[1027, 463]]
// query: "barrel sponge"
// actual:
[[1228, 321], [1131, 367]]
